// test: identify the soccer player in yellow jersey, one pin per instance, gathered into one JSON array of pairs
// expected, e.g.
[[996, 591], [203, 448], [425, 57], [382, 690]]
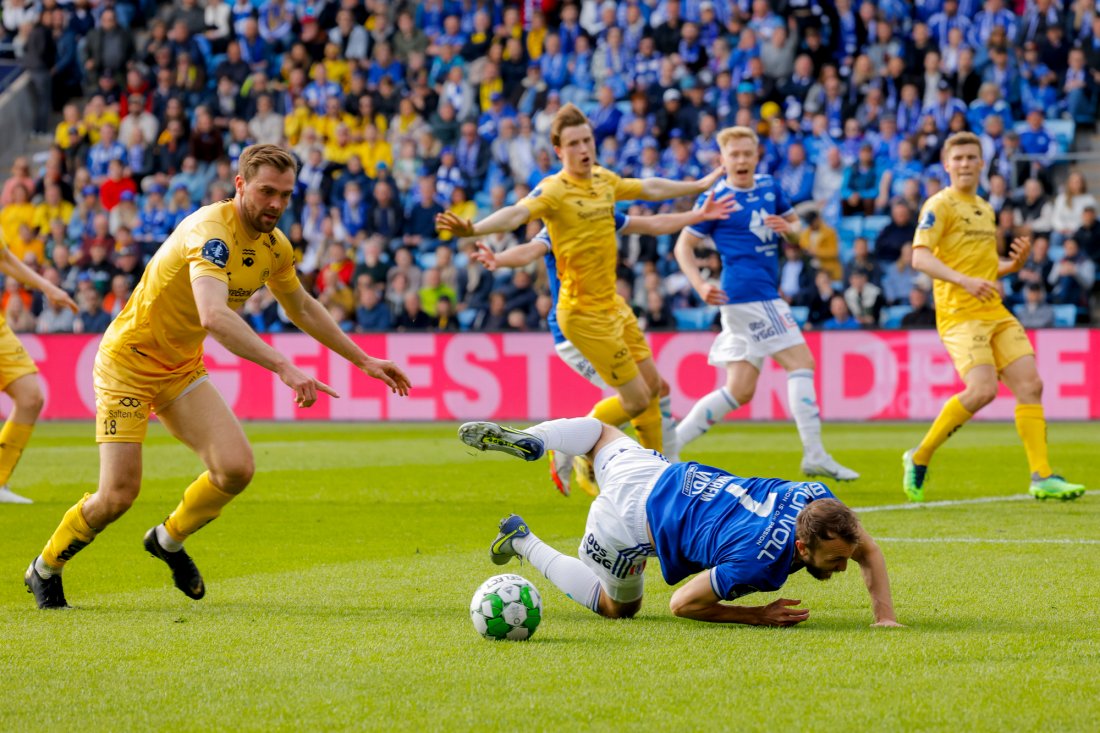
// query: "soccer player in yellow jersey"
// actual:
[[956, 245], [17, 375], [150, 360], [577, 206]]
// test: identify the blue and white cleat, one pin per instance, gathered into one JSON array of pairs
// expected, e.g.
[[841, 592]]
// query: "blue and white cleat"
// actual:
[[511, 527], [490, 436]]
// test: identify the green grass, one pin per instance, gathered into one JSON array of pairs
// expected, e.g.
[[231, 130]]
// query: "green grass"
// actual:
[[338, 588]]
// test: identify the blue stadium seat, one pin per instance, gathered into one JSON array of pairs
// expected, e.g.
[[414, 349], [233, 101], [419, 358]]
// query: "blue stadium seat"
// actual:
[[466, 318], [694, 319], [801, 314], [872, 225], [848, 229], [1065, 316], [892, 315]]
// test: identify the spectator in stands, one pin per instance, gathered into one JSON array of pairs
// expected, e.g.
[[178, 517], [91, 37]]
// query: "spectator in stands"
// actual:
[[371, 312], [1072, 277], [840, 319], [1069, 207], [17, 212], [107, 50], [1033, 211], [921, 314], [796, 175], [124, 215], [796, 274], [91, 318], [864, 298], [115, 184], [116, 298], [433, 290], [860, 187], [900, 277], [1088, 235], [52, 207], [493, 318], [444, 318], [895, 235], [1035, 312], [18, 316], [820, 300], [412, 317], [1036, 270], [862, 260]]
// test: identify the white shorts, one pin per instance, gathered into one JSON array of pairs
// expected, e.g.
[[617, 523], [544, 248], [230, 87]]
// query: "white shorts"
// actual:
[[579, 363], [616, 536], [751, 331]]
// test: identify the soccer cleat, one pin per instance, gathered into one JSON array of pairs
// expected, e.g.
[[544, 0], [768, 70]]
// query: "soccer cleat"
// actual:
[[184, 572], [585, 475], [7, 496], [511, 527], [561, 468], [48, 593], [1055, 487], [490, 436], [827, 466], [913, 477]]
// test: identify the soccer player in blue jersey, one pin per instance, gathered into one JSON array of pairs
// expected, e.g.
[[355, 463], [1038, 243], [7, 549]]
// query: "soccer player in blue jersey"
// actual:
[[561, 464], [735, 535], [756, 322]]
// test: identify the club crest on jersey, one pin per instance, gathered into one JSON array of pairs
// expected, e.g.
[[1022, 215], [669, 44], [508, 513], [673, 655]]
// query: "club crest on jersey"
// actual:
[[217, 252], [928, 221], [535, 193]]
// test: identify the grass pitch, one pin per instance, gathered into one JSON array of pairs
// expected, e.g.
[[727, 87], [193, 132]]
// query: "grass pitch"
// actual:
[[338, 587]]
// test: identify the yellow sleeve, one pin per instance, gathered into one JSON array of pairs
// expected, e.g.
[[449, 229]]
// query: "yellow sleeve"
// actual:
[[931, 224], [207, 251], [627, 189], [285, 277], [543, 198]]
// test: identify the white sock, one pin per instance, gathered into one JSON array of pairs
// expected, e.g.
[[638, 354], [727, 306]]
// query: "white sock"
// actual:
[[573, 436], [669, 441], [802, 401], [706, 412], [44, 570], [166, 541], [570, 575]]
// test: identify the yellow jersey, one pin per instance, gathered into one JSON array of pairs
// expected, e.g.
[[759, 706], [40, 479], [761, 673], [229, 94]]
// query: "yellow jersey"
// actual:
[[580, 217], [161, 320], [961, 231]]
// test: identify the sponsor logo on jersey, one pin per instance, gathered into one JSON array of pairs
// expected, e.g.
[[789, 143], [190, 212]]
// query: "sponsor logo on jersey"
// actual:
[[781, 527], [216, 252]]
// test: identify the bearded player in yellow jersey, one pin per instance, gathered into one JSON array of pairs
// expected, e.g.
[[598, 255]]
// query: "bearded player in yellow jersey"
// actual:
[[956, 245], [577, 206], [150, 360], [18, 378]]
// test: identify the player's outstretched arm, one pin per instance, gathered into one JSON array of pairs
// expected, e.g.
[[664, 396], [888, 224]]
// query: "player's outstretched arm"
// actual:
[[11, 266], [685, 256], [314, 319], [873, 566], [661, 189], [696, 599], [505, 220], [671, 223], [926, 262], [518, 256], [230, 330]]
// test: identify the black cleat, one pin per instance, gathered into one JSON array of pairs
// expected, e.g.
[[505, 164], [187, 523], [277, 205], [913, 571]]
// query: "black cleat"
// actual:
[[48, 593], [184, 573]]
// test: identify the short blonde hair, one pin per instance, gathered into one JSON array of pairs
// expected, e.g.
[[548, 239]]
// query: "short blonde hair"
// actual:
[[736, 133], [255, 157], [961, 138]]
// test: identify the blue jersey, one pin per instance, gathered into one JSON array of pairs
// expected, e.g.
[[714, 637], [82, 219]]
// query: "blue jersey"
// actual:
[[748, 248], [741, 528], [621, 220]]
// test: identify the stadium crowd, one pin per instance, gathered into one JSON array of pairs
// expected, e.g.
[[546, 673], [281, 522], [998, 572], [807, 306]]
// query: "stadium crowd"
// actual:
[[398, 111]]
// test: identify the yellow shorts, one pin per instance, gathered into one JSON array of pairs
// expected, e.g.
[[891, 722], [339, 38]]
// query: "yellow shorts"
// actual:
[[610, 339], [128, 391], [14, 360], [997, 343]]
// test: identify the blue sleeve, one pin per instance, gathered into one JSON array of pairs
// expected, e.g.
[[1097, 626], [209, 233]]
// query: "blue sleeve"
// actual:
[[702, 229], [621, 220], [782, 203], [732, 579], [544, 237], [846, 184]]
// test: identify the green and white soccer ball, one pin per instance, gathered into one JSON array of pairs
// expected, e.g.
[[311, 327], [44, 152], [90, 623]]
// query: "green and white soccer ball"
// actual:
[[506, 607]]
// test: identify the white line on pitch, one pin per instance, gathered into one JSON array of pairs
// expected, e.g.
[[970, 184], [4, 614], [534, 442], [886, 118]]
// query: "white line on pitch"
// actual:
[[985, 541], [954, 502]]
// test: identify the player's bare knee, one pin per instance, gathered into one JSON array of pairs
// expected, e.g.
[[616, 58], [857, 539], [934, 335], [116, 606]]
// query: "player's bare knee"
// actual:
[[233, 477], [981, 394], [742, 393], [635, 404], [111, 503], [615, 609], [1030, 390], [30, 401]]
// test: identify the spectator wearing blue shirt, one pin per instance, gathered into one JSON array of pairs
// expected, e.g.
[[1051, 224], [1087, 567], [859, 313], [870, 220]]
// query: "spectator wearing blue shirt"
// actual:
[[553, 64], [861, 184], [945, 107], [646, 64], [1079, 89], [941, 24], [796, 175], [254, 50], [994, 15], [353, 210], [904, 168], [581, 82], [988, 103], [372, 314], [320, 90], [488, 125], [1035, 140], [841, 319], [103, 152], [605, 118], [384, 65]]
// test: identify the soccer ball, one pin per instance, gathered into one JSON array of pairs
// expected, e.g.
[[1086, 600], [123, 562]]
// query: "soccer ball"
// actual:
[[506, 607]]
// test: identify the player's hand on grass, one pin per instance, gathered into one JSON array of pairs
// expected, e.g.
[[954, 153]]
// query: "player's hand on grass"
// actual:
[[712, 294], [983, 290], [485, 255], [448, 221], [777, 224], [720, 209], [780, 613], [1018, 253], [388, 372], [305, 387], [59, 298]]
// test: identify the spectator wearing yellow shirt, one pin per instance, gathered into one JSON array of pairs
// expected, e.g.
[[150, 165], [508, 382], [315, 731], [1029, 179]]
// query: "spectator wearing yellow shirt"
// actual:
[[491, 84], [374, 150], [52, 207], [18, 212], [460, 206], [334, 117], [71, 132], [433, 290], [97, 114], [337, 69], [341, 148], [369, 116], [28, 247], [821, 241], [536, 35], [298, 120]]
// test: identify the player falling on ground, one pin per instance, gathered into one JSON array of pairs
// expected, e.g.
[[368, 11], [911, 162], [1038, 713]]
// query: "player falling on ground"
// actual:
[[956, 244], [17, 375], [735, 535], [577, 205], [561, 465], [756, 322], [150, 360]]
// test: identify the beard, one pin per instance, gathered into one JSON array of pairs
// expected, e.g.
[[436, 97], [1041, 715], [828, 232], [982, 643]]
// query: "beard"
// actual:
[[818, 573], [255, 218]]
